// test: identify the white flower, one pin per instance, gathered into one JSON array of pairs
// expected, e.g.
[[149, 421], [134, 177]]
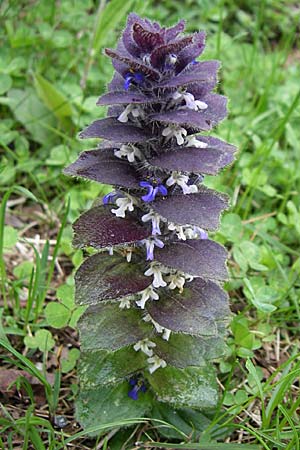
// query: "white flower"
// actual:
[[155, 218], [145, 346], [195, 232], [158, 328], [181, 180], [130, 151], [172, 59], [166, 334], [180, 232], [155, 362], [174, 131], [150, 244], [192, 141], [124, 303], [130, 109], [148, 293], [124, 204], [157, 270], [127, 252], [190, 101], [146, 59], [176, 280]]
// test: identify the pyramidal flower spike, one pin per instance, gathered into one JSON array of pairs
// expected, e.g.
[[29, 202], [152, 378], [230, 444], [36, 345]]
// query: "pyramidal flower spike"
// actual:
[[156, 312]]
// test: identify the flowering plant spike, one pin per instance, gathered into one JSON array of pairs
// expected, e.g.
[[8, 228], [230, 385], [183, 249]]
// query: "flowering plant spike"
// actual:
[[156, 311]]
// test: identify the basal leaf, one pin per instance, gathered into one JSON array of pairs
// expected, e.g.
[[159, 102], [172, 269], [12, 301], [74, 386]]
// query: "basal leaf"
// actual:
[[104, 367], [192, 387], [110, 403]]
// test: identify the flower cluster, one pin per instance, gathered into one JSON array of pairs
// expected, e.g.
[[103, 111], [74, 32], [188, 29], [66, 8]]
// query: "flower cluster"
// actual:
[[164, 300]]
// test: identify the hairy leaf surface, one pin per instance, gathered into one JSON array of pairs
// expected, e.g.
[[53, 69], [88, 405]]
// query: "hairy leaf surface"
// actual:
[[203, 258], [196, 310], [110, 128], [103, 277], [103, 367], [102, 166], [200, 350], [99, 228], [109, 403], [108, 327], [202, 209], [208, 160], [192, 387]]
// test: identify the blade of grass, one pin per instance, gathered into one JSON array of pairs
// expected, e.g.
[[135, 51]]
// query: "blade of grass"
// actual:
[[27, 364], [205, 446], [294, 443]]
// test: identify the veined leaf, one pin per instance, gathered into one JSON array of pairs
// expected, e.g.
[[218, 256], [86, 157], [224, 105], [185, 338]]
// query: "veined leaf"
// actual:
[[57, 102]]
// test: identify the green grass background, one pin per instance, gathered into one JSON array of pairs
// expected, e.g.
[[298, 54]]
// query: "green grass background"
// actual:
[[51, 72]]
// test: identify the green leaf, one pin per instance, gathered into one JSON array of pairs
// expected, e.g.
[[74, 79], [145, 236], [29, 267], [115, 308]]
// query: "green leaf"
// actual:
[[28, 110], [240, 258], [110, 403], [57, 315], [108, 20], [59, 156], [23, 271], [10, 236], [174, 351], [42, 340], [241, 332], [26, 192], [5, 83], [192, 387], [231, 227], [76, 314], [240, 397], [65, 293], [103, 367], [110, 327], [251, 253], [262, 297], [185, 421], [68, 364], [57, 102]]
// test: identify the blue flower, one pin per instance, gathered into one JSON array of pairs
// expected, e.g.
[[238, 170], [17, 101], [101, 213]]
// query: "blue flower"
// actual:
[[110, 197], [133, 77], [137, 385], [153, 191]]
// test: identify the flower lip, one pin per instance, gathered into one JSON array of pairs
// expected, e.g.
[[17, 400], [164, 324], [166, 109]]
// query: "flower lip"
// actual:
[[110, 197], [153, 190], [138, 385], [133, 77]]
